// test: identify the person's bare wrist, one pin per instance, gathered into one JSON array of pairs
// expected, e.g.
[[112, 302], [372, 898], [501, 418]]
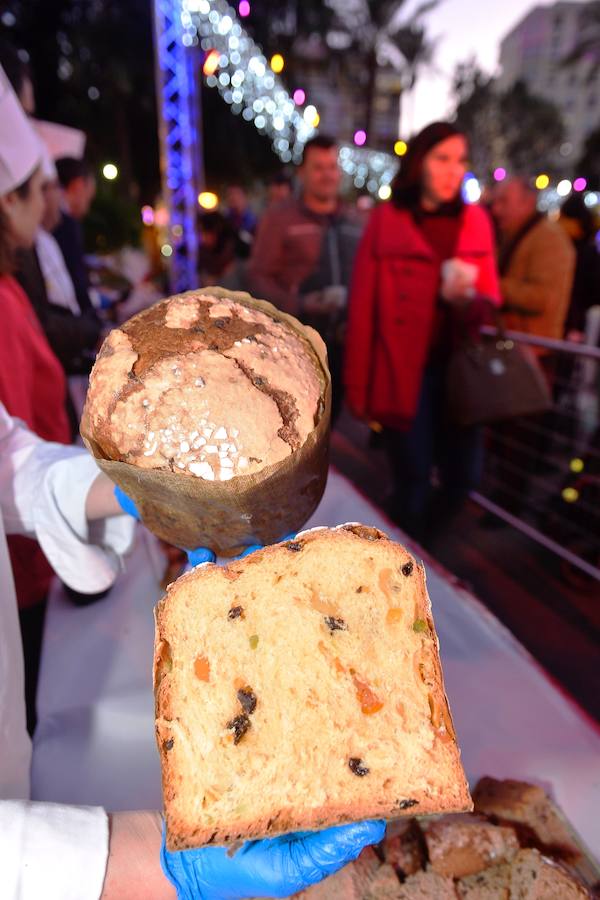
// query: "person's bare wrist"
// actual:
[[133, 871]]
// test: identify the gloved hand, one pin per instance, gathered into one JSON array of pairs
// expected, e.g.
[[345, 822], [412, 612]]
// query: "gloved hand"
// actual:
[[276, 867]]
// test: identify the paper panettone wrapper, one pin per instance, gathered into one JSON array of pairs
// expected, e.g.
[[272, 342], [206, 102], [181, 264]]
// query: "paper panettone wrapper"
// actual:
[[259, 508]]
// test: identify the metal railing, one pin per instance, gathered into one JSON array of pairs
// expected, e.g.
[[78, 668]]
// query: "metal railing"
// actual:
[[542, 472]]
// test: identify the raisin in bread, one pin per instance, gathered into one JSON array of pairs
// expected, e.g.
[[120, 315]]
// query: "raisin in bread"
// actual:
[[301, 687]]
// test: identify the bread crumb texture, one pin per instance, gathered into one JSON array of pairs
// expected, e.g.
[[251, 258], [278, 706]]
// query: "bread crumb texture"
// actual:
[[288, 697]]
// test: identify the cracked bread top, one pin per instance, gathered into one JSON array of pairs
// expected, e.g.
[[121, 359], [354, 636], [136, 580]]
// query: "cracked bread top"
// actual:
[[204, 386]]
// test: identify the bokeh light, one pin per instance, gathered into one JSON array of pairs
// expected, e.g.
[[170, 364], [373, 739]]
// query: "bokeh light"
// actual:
[[542, 182], [211, 63], [471, 188], [277, 63], [311, 116], [147, 215], [499, 174], [360, 137], [110, 171], [563, 188], [570, 495], [166, 250], [208, 200], [579, 184], [244, 8], [384, 192], [299, 96], [400, 148]]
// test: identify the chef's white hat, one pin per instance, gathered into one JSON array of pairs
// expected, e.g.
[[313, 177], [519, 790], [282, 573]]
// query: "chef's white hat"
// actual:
[[48, 168], [61, 140], [20, 152]]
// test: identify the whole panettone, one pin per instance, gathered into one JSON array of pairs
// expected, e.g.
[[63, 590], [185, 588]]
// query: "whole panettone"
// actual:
[[211, 410]]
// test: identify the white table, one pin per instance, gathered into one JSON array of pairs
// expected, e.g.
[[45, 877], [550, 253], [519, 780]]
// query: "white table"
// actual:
[[95, 738]]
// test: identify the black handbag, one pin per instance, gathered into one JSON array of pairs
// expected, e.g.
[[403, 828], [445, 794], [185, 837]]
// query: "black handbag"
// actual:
[[492, 378]]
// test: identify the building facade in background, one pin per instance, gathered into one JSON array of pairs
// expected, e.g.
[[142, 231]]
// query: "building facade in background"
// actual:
[[534, 52]]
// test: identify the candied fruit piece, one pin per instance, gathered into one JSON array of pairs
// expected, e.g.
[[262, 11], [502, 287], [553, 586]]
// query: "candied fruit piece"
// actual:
[[202, 668], [368, 699]]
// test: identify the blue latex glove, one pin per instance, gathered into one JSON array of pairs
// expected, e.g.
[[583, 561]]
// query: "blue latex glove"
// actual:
[[276, 867]]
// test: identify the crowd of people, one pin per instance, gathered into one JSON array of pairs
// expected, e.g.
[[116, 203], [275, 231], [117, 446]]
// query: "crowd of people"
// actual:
[[392, 311], [391, 297]]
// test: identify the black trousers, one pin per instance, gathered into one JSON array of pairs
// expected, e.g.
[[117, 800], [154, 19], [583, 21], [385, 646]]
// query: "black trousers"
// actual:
[[32, 630]]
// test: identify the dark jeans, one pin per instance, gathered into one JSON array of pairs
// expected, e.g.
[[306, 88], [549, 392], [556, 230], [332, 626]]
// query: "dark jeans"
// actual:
[[432, 441]]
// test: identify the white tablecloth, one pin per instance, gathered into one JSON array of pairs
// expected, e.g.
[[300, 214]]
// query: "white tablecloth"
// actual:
[[95, 738]]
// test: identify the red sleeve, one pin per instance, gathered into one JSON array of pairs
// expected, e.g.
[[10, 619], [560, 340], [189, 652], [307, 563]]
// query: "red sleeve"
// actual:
[[16, 389], [361, 315], [488, 284]]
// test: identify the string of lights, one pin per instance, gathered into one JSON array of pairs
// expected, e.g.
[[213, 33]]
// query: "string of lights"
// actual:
[[236, 66]]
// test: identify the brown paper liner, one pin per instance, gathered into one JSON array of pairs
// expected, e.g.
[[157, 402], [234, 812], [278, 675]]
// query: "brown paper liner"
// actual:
[[260, 508]]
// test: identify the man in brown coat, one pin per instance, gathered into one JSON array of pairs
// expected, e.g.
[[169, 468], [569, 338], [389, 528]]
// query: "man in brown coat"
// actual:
[[536, 262]]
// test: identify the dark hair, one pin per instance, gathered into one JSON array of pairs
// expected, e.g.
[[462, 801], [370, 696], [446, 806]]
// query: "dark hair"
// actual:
[[69, 169], [7, 253], [17, 70], [280, 178], [212, 221], [407, 185], [575, 208], [320, 142]]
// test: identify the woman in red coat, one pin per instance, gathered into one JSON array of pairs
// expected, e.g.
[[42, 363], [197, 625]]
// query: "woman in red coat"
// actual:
[[402, 318]]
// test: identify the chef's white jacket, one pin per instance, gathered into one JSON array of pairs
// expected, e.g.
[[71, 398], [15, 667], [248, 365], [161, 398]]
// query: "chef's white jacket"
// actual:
[[47, 850]]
